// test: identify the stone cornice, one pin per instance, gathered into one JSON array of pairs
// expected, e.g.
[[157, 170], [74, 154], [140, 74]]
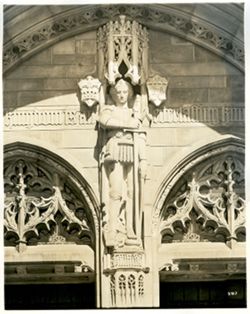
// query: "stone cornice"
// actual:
[[79, 19]]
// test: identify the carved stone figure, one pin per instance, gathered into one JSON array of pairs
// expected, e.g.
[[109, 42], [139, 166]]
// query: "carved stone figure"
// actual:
[[124, 166]]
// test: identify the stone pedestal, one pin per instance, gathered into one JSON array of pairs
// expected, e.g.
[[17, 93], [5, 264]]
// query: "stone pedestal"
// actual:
[[126, 280]]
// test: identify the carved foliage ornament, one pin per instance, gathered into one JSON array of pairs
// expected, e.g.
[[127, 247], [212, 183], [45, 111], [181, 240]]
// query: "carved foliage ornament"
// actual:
[[26, 210], [157, 88], [221, 43], [215, 195], [90, 90], [124, 43]]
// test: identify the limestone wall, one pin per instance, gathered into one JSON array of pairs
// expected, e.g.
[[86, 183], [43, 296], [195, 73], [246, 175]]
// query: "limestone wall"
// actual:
[[48, 81]]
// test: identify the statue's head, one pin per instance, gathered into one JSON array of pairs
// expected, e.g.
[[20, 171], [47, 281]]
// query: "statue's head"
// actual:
[[121, 92]]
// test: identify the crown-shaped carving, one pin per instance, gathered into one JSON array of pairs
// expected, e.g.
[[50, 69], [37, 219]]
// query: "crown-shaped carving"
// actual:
[[90, 90], [123, 50], [157, 87]]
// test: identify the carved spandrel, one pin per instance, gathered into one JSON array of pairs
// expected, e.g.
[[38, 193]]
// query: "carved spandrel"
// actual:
[[34, 207], [214, 198]]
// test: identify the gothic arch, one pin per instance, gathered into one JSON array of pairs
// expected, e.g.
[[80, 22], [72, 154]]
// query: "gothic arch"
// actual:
[[230, 148], [66, 158], [48, 179], [200, 24]]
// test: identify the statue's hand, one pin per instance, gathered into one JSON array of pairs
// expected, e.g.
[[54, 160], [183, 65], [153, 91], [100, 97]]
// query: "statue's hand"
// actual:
[[134, 123]]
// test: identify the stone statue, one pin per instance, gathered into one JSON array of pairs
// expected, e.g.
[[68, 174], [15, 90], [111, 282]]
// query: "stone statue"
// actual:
[[124, 165]]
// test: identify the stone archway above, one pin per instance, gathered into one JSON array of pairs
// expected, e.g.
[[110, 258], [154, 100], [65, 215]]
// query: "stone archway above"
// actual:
[[207, 25]]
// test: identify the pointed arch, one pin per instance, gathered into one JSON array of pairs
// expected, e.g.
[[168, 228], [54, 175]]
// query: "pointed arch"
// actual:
[[227, 145], [51, 164], [199, 23]]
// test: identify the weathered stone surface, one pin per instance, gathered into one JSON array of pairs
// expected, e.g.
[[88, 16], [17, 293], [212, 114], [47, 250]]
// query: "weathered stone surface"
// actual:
[[239, 130], [188, 95], [79, 139], [178, 137], [65, 47], [157, 38], [74, 59], [10, 99], [43, 57], [55, 71], [29, 97], [236, 81], [180, 41], [23, 85], [202, 55], [193, 69], [85, 47], [165, 53], [226, 95], [62, 84], [155, 155], [50, 99], [162, 51], [84, 156], [87, 35], [197, 82]]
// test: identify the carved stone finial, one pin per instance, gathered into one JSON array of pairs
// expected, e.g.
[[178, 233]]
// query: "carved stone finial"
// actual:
[[157, 87], [90, 90]]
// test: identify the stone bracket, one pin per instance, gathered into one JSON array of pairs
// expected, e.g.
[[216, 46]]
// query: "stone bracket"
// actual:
[[125, 260]]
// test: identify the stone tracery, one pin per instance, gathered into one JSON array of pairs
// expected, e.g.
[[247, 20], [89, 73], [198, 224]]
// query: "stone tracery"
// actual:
[[208, 205], [41, 208], [127, 289]]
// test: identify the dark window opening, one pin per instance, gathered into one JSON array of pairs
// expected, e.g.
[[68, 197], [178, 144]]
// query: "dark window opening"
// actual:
[[210, 294], [50, 296]]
